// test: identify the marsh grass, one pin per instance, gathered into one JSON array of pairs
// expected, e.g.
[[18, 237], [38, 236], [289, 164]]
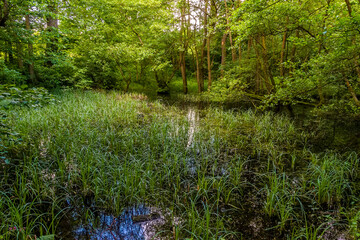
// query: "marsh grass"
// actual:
[[109, 151]]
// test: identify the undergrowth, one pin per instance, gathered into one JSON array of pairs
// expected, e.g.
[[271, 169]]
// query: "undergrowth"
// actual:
[[119, 150]]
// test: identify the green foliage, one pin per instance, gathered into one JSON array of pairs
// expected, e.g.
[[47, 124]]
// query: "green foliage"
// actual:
[[11, 96], [122, 149], [329, 179], [7, 138], [292, 56], [10, 76]]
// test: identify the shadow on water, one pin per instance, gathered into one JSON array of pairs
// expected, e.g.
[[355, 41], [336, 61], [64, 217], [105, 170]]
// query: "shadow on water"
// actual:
[[134, 223]]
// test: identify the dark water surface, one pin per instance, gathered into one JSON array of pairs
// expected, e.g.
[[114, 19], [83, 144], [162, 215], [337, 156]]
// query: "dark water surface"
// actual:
[[102, 225], [132, 224]]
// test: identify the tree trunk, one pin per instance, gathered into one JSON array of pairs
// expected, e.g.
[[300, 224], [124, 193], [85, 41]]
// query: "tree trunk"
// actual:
[[183, 36], [209, 62], [19, 49], [352, 92], [10, 52], [233, 53], [183, 72], [249, 47], [283, 50], [4, 13], [348, 5], [203, 52], [223, 54], [262, 67], [30, 51], [267, 69], [52, 25], [197, 70], [293, 51], [356, 60]]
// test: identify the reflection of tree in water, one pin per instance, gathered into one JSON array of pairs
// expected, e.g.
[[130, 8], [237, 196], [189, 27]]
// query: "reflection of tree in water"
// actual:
[[110, 228]]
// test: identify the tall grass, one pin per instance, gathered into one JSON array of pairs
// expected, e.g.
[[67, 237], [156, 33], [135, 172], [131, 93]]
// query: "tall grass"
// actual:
[[121, 150]]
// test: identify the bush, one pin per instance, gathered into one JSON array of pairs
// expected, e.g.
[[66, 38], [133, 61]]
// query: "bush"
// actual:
[[10, 95], [10, 76]]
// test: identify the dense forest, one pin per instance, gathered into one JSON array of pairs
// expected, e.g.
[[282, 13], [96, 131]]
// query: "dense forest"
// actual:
[[179, 119], [275, 52]]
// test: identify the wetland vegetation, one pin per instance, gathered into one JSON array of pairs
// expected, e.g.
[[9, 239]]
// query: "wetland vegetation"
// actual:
[[245, 174], [179, 119]]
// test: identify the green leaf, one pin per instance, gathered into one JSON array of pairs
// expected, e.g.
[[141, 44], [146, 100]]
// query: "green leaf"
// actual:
[[47, 237]]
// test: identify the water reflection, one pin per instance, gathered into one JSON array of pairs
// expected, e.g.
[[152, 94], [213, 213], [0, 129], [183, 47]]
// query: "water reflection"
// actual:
[[193, 118], [105, 226]]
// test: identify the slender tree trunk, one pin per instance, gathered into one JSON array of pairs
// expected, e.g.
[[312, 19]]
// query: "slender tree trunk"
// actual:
[[266, 64], [356, 60], [261, 67], [352, 92], [320, 92], [233, 53], [19, 50], [257, 78], [208, 52], [283, 50], [196, 58], [209, 62], [348, 5], [137, 73], [203, 51], [198, 70], [183, 40], [223, 54], [320, 85], [293, 51], [249, 47], [183, 72], [127, 80], [240, 50], [52, 26], [30, 51], [10, 52], [4, 13]]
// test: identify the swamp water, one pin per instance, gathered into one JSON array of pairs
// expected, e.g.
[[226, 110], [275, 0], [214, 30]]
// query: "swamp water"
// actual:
[[135, 223], [217, 189], [145, 223]]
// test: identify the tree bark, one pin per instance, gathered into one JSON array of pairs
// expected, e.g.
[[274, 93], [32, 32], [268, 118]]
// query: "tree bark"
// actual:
[[183, 40], [4, 14], [10, 52], [203, 51], [348, 5], [260, 67], [293, 51], [52, 26], [249, 47], [352, 92], [233, 53], [19, 49], [223, 53], [30, 50], [208, 55], [267, 69], [197, 70], [283, 50], [356, 60]]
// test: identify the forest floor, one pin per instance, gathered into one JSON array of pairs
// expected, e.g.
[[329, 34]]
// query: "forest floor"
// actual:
[[102, 165]]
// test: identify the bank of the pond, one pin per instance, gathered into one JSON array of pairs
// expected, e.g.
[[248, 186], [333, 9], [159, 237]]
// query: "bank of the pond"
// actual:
[[90, 163]]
